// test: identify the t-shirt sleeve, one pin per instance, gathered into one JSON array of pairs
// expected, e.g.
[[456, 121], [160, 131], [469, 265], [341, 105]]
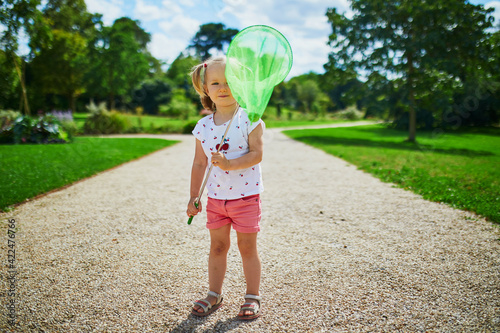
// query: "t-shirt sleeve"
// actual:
[[253, 126], [197, 131]]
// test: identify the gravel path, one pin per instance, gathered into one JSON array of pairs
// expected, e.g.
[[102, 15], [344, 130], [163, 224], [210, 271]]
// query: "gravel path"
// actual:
[[341, 252]]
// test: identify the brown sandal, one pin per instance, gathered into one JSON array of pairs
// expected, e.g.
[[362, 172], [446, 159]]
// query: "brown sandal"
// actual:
[[206, 306], [251, 307]]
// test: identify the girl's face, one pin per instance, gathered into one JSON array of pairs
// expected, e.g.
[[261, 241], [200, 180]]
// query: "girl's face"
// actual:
[[216, 86]]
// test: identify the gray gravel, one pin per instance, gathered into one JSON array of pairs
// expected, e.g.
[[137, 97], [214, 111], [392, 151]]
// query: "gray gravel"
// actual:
[[341, 252]]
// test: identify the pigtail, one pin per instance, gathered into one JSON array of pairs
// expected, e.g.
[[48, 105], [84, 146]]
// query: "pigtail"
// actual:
[[198, 79]]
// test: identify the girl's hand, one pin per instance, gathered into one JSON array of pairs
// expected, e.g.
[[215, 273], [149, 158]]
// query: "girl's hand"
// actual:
[[191, 209], [220, 160]]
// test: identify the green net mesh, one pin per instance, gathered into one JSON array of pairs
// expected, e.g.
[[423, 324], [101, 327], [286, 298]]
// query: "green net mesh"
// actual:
[[259, 57]]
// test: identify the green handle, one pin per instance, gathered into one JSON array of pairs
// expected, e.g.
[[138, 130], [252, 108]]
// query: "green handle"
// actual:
[[191, 218]]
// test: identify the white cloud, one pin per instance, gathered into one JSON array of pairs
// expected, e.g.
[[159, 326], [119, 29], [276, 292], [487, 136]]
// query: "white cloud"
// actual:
[[146, 12], [165, 48], [496, 13], [182, 27], [175, 31], [111, 9]]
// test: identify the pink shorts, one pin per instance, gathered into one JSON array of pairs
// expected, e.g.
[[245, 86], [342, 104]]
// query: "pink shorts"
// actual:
[[244, 214]]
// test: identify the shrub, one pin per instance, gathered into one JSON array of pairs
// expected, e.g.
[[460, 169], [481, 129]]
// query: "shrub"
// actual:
[[189, 127], [70, 128], [67, 122], [102, 121], [26, 129], [7, 119], [180, 106], [351, 113]]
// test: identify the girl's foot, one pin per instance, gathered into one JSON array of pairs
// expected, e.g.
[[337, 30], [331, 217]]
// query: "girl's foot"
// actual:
[[206, 306], [251, 308]]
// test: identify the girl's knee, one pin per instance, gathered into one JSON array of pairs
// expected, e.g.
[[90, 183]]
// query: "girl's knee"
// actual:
[[247, 247], [219, 248]]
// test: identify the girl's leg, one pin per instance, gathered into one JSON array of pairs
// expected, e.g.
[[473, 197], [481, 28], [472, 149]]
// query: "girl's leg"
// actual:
[[247, 244], [217, 261]]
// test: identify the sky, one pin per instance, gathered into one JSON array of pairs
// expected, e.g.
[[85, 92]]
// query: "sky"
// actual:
[[173, 23]]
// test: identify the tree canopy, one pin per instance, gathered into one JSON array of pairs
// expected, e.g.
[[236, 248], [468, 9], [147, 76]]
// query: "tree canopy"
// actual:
[[211, 36], [421, 44]]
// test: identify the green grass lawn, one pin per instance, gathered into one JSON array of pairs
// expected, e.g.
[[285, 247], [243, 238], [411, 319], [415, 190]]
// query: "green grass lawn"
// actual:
[[29, 170], [460, 168]]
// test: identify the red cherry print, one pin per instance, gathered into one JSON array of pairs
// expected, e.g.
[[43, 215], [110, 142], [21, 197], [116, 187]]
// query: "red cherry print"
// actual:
[[227, 172], [231, 188], [241, 175], [215, 194], [253, 168], [242, 194], [215, 138], [218, 185], [257, 184], [204, 125], [241, 147], [198, 132], [246, 183], [224, 146], [203, 141], [236, 127]]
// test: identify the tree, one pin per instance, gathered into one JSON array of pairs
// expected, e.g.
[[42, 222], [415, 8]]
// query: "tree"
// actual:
[[14, 15], [60, 47], [120, 60], [211, 36], [342, 86], [151, 94], [178, 74], [418, 42]]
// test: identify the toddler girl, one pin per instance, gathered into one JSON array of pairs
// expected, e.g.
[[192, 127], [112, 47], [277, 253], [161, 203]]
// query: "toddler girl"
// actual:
[[233, 187]]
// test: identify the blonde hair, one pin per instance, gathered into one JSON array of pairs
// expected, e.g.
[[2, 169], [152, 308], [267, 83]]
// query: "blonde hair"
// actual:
[[198, 78]]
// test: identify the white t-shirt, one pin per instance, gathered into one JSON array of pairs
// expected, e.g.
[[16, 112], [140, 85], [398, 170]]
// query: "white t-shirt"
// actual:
[[234, 184]]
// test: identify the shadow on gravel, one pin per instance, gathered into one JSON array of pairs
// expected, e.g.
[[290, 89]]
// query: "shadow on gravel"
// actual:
[[192, 322]]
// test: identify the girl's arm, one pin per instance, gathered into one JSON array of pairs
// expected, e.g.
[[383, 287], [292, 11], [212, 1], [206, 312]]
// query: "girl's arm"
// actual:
[[197, 173], [253, 157]]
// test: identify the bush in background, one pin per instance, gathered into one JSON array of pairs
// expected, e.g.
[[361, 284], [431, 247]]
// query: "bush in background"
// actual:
[[16, 128], [67, 122], [351, 113], [180, 106], [102, 121]]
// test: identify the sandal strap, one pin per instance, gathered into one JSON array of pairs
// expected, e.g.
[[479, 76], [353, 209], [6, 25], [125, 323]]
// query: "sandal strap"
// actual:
[[255, 297], [250, 306], [214, 294], [206, 306]]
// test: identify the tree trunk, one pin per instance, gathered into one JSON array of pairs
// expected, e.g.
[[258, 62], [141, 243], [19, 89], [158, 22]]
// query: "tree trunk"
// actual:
[[72, 102], [23, 86], [412, 125], [111, 101]]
